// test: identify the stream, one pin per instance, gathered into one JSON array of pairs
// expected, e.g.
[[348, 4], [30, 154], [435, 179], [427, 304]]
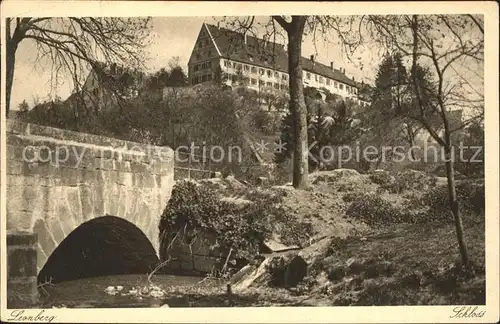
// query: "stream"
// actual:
[[90, 292]]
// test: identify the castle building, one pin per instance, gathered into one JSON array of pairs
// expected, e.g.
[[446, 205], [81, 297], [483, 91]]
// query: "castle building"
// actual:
[[237, 59]]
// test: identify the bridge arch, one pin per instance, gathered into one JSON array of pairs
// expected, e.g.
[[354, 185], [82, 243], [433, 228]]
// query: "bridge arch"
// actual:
[[106, 245], [77, 177]]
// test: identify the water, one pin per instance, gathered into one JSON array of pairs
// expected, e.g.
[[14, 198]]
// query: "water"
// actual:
[[90, 292]]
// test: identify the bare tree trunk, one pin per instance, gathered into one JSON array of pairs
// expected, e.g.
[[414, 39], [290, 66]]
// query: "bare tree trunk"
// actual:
[[10, 60], [452, 195], [11, 43], [411, 140], [297, 103]]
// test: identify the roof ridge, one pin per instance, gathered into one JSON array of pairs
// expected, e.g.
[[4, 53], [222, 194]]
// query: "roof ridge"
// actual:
[[314, 66]]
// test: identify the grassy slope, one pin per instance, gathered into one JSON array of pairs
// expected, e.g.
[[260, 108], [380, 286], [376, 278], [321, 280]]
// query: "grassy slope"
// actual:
[[404, 264]]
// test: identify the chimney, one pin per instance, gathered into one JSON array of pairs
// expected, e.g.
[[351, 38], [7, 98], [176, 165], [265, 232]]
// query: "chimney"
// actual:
[[331, 65], [218, 24], [312, 58], [245, 38]]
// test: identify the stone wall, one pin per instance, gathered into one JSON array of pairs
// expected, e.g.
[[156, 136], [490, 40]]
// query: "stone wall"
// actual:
[[59, 179]]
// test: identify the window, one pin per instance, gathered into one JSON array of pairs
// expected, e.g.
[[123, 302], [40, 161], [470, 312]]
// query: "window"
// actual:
[[261, 71], [238, 66], [200, 45], [277, 86], [316, 77], [195, 68], [336, 84], [355, 91], [198, 56], [276, 75], [321, 80], [261, 82], [308, 76], [209, 64], [284, 76], [269, 84], [209, 77], [327, 81], [269, 73], [254, 81], [341, 86], [254, 69], [204, 78], [226, 63], [233, 77], [234, 65], [246, 68]]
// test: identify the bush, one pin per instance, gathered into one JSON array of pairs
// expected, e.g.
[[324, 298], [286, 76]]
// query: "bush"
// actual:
[[241, 228], [197, 209], [381, 177], [374, 210], [410, 180], [470, 197], [265, 122]]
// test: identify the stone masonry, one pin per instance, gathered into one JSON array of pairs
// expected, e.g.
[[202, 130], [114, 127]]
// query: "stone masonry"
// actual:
[[58, 179]]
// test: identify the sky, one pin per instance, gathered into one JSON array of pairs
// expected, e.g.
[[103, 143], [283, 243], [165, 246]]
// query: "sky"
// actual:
[[172, 37]]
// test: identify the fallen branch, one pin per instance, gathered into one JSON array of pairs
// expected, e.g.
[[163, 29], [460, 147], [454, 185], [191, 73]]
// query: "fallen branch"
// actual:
[[46, 283]]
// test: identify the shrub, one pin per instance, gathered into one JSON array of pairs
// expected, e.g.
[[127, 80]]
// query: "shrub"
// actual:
[[241, 228], [353, 195], [197, 209], [381, 177], [470, 197], [374, 210], [410, 180]]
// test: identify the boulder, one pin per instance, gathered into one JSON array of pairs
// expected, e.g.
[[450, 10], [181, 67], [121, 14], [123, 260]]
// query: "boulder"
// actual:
[[285, 269], [317, 250]]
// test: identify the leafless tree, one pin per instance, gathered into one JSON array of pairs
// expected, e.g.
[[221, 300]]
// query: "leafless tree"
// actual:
[[443, 45], [292, 29], [74, 45]]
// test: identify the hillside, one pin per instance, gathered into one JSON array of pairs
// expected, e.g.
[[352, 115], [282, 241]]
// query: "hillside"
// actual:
[[396, 251]]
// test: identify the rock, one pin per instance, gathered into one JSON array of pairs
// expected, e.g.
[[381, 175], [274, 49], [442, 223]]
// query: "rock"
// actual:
[[216, 174], [242, 272], [337, 272], [240, 202], [272, 245], [285, 269], [234, 183], [311, 253]]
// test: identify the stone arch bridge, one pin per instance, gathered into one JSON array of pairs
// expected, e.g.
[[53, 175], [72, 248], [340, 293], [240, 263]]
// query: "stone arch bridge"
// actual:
[[59, 179]]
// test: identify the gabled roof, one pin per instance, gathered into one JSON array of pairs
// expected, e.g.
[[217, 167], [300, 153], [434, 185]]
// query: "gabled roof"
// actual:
[[268, 54]]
